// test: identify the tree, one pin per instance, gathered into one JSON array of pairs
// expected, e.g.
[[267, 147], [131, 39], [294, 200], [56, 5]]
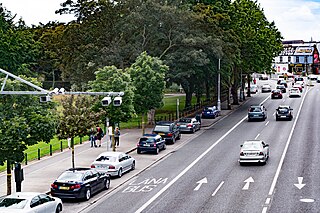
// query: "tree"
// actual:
[[147, 76], [76, 118], [24, 122], [112, 79]]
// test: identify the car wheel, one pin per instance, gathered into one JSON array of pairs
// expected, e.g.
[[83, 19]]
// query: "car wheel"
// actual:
[[173, 140], [157, 151], [87, 194], [277, 118], [193, 130], [107, 184], [120, 173], [138, 151], [241, 164], [133, 165], [59, 208]]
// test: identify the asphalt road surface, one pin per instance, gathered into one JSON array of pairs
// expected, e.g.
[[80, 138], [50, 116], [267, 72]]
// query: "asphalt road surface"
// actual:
[[204, 175]]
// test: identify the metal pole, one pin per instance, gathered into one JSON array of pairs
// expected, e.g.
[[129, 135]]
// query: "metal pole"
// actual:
[[219, 102], [241, 95], [178, 102]]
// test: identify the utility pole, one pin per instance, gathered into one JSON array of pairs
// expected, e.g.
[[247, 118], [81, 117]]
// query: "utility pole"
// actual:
[[219, 101]]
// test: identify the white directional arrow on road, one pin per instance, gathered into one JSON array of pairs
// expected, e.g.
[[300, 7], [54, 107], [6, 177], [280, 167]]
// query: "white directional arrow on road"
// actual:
[[300, 185], [248, 181], [200, 182]]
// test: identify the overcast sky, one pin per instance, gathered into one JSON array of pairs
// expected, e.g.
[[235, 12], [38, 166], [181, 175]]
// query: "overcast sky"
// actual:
[[295, 19]]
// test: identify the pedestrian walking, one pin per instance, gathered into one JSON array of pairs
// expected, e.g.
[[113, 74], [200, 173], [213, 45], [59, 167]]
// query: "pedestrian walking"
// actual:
[[110, 135], [92, 135], [69, 143], [99, 135], [117, 136]]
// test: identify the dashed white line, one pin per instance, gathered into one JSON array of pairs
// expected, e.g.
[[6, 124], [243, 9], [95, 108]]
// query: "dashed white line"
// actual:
[[268, 201], [264, 210], [217, 189], [267, 123], [257, 136]]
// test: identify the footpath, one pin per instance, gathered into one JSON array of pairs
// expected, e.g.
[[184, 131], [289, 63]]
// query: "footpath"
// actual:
[[39, 174]]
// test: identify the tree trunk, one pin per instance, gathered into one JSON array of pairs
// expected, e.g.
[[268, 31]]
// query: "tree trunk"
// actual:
[[72, 152], [248, 90], [234, 92], [150, 115], [207, 90], [9, 177], [228, 99], [142, 124], [188, 99]]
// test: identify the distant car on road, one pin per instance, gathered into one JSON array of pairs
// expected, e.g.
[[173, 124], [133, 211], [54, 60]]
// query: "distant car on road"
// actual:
[[266, 88], [79, 183], [151, 143], [189, 125], [253, 89], [284, 112], [168, 130], [283, 82], [254, 151], [276, 93], [282, 88], [263, 77], [30, 202], [210, 112], [257, 112], [294, 92], [114, 163], [298, 86]]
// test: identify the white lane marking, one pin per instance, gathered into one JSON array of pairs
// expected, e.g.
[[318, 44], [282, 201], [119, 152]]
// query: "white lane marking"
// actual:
[[217, 189], [264, 210], [268, 201], [300, 185], [274, 113], [267, 123], [283, 100], [248, 181], [257, 136], [200, 182], [306, 200], [191, 165], [276, 176]]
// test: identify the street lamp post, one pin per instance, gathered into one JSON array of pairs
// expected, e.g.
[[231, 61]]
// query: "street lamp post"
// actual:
[[219, 101]]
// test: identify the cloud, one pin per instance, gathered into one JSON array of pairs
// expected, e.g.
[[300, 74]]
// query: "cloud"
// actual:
[[295, 19]]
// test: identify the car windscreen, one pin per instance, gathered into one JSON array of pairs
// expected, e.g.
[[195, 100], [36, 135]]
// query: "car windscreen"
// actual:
[[70, 176], [147, 140], [159, 128], [251, 146], [185, 120], [13, 203], [255, 109], [283, 110], [106, 158]]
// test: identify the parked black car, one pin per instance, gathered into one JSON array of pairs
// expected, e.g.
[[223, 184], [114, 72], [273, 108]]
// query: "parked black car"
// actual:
[[151, 143], [284, 112], [79, 183], [282, 88], [168, 130]]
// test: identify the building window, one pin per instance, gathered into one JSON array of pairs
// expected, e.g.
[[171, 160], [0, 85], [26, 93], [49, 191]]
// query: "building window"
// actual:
[[297, 59], [289, 59], [281, 59]]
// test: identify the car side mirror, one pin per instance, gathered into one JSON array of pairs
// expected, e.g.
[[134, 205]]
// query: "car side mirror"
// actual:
[[266, 145], [241, 145]]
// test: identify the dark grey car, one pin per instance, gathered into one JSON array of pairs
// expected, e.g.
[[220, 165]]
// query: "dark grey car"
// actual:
[[257, 112]]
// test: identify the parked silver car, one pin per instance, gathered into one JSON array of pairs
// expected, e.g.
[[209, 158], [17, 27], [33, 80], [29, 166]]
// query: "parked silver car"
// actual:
[[188, 125], [254, 151], [114, 163]]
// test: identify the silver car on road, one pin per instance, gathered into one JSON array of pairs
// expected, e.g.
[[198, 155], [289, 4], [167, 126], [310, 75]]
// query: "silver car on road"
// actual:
[[254, 151]]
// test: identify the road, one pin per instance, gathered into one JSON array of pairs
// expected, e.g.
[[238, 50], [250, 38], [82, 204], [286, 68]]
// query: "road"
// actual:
[[203, 175]]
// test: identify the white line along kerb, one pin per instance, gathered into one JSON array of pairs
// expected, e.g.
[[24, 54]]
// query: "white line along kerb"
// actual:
[[191, 165]]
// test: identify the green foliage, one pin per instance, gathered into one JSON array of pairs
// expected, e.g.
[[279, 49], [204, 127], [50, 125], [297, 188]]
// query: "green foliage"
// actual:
[[77, 116], [147, 75], [112, 79], [24, 121]]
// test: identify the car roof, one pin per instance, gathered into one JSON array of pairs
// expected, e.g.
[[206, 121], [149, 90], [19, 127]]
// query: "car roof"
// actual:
[[284, 106], [252, 141], [164, 123], [24, 195], [151, 136], [255, 106], [111, 154]]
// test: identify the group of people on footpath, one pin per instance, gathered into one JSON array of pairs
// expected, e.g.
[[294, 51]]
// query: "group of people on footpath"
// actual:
[[96, 134]]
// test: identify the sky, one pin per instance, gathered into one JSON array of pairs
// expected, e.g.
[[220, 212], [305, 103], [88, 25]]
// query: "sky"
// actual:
[[295, 19]]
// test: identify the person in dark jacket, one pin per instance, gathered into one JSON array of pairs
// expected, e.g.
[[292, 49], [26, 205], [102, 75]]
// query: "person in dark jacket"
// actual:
[[99, 135]]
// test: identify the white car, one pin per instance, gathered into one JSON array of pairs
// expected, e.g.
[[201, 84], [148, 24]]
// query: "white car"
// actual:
[[114, 163], [294, 92], [266, 88], [254, 151], [28, 202]]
